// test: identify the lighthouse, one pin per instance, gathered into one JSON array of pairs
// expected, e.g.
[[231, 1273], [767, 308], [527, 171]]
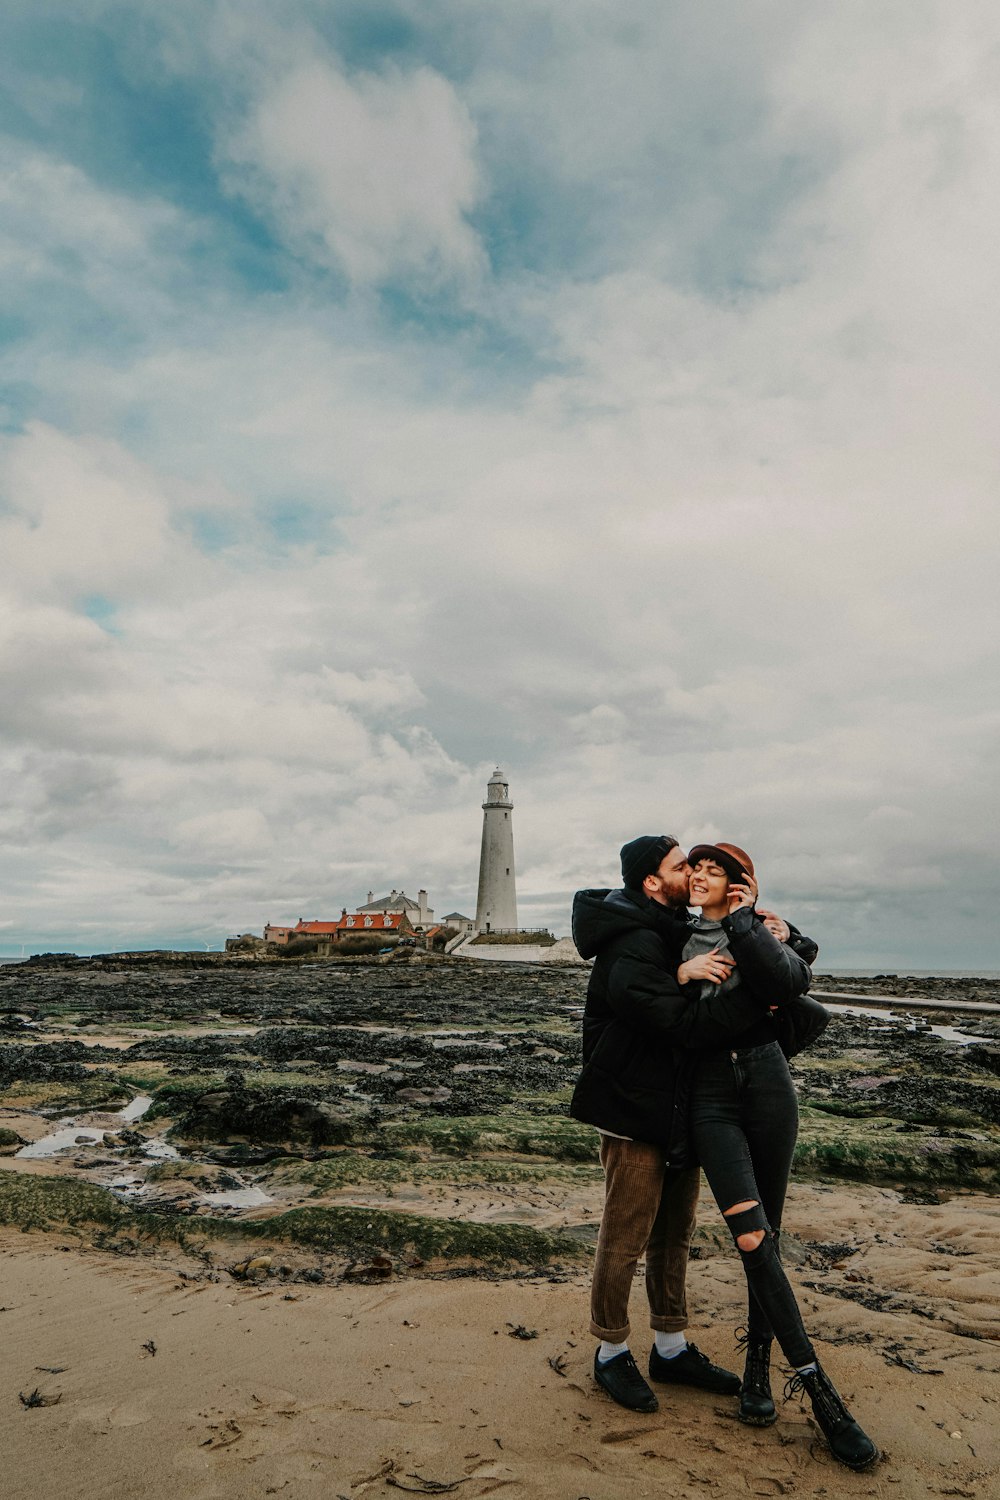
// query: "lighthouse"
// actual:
[[496, 906]]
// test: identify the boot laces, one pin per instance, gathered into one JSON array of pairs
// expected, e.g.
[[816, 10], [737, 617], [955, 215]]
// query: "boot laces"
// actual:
[[757, 1373], [746, 1340], [826, 1402]]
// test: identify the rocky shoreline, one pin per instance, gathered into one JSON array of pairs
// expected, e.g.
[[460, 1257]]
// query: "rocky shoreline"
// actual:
[[428, 1090], [327, 1156]]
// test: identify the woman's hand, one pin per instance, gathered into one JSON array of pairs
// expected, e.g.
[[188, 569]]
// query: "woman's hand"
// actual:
[[716, 966], [742, 894]]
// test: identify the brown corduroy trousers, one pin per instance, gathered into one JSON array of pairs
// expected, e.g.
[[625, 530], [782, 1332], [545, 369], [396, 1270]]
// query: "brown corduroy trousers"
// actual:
[[647, 1206]]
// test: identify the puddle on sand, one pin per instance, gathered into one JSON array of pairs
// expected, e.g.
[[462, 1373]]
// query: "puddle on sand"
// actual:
[[127, 1187], [949, 1034], [61, 1140], [438, 1043], [136, 1109], [71, 1134], [891, 1018], [249, 1197], [160, 1151]]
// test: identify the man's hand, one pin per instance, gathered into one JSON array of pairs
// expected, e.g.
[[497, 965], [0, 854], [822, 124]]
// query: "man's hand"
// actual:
[[775, 924], [715, 966]]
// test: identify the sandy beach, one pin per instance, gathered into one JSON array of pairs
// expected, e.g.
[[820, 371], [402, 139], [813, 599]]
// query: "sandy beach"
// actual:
[[169, 1383], [326, 1231]]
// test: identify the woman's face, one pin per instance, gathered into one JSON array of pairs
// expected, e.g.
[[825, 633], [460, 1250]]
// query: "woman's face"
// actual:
[[709, 884]]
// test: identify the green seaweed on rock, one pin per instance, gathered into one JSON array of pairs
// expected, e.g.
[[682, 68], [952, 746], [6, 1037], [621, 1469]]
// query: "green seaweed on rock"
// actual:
[[351, 1168], [556, 1137], [32, 1202], [886, 1151]]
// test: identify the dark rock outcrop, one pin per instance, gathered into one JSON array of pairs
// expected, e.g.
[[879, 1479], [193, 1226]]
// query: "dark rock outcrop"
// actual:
[[235, 1113]]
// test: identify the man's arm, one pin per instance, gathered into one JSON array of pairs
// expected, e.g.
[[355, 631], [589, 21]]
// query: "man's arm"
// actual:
[[804, 946], [643, 990]]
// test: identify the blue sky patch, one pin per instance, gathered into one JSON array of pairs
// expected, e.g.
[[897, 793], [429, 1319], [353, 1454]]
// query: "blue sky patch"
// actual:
[[102, 611]]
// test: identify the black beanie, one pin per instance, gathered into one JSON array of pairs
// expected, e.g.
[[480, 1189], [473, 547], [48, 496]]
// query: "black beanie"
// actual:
[[644, 856]]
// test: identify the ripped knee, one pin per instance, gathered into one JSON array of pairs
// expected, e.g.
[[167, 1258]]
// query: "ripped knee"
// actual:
[[748, 1225], [750, 1241]]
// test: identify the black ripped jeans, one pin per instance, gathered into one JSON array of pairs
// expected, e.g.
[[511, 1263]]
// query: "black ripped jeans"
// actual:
[[744, 1121]]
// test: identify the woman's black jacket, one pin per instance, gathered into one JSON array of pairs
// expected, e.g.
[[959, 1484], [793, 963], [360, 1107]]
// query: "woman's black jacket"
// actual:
[[639, 1024]]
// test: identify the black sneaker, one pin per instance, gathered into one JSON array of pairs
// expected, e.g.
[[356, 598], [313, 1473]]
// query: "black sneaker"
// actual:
[[693, 1368], [621, 1379]]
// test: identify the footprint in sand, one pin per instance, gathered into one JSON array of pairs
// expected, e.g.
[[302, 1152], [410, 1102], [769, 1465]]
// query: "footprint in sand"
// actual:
[[125, 1414]]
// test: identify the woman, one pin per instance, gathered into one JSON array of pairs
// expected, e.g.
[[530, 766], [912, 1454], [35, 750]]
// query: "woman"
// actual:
[[744, 1122]]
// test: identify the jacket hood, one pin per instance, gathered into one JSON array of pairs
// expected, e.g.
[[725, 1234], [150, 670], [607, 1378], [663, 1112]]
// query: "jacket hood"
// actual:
[[602, 915]]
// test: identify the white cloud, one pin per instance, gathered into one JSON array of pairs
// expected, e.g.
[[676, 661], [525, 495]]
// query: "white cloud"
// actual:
[[230, 832], [82, 516], [374, 174], [81, 257], [724, 567], [49, 203]]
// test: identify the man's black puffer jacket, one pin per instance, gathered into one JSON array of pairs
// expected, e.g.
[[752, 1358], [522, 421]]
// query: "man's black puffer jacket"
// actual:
[[638, 1020]]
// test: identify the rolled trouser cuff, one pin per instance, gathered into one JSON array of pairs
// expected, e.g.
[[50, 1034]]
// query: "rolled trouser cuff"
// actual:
[[610, 1335], [667, 1325]]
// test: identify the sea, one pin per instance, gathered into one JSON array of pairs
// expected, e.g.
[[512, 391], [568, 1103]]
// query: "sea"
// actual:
[[886, 972], [900, 973]]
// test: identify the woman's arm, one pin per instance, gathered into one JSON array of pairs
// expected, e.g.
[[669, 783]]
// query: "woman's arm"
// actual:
[[770, 970]]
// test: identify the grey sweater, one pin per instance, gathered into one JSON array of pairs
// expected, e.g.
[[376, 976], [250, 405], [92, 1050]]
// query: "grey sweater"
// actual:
[[706, 935]]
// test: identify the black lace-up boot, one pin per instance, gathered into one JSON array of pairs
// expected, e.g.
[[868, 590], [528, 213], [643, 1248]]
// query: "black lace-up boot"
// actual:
[[848, 1442], [756, 1403]]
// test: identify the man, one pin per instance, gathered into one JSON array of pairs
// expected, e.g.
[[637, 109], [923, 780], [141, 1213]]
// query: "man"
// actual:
[[634, 1087]]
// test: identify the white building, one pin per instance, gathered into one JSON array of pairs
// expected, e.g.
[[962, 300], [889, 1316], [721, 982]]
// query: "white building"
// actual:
[[418, 912]]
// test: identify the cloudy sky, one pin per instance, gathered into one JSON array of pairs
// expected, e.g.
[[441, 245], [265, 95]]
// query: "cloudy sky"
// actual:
[[605, 389]]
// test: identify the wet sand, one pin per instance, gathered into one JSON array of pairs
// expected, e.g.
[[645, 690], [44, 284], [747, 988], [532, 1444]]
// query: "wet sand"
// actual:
[[354, 1390], [387, 1147]]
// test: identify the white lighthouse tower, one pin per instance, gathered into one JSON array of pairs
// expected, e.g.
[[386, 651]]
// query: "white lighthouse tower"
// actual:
[[496, 906]]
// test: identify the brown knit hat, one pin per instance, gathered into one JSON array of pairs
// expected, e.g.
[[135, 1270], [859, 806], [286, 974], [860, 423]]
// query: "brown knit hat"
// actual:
[[735, 861]]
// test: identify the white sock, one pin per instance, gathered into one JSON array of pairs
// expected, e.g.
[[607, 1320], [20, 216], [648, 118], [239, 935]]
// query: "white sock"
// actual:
[[809, 1369], [669, 1345], [609, 1351]]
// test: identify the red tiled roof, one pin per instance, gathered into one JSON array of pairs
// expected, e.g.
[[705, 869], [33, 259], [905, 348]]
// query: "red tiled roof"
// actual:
[[354, 922]]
